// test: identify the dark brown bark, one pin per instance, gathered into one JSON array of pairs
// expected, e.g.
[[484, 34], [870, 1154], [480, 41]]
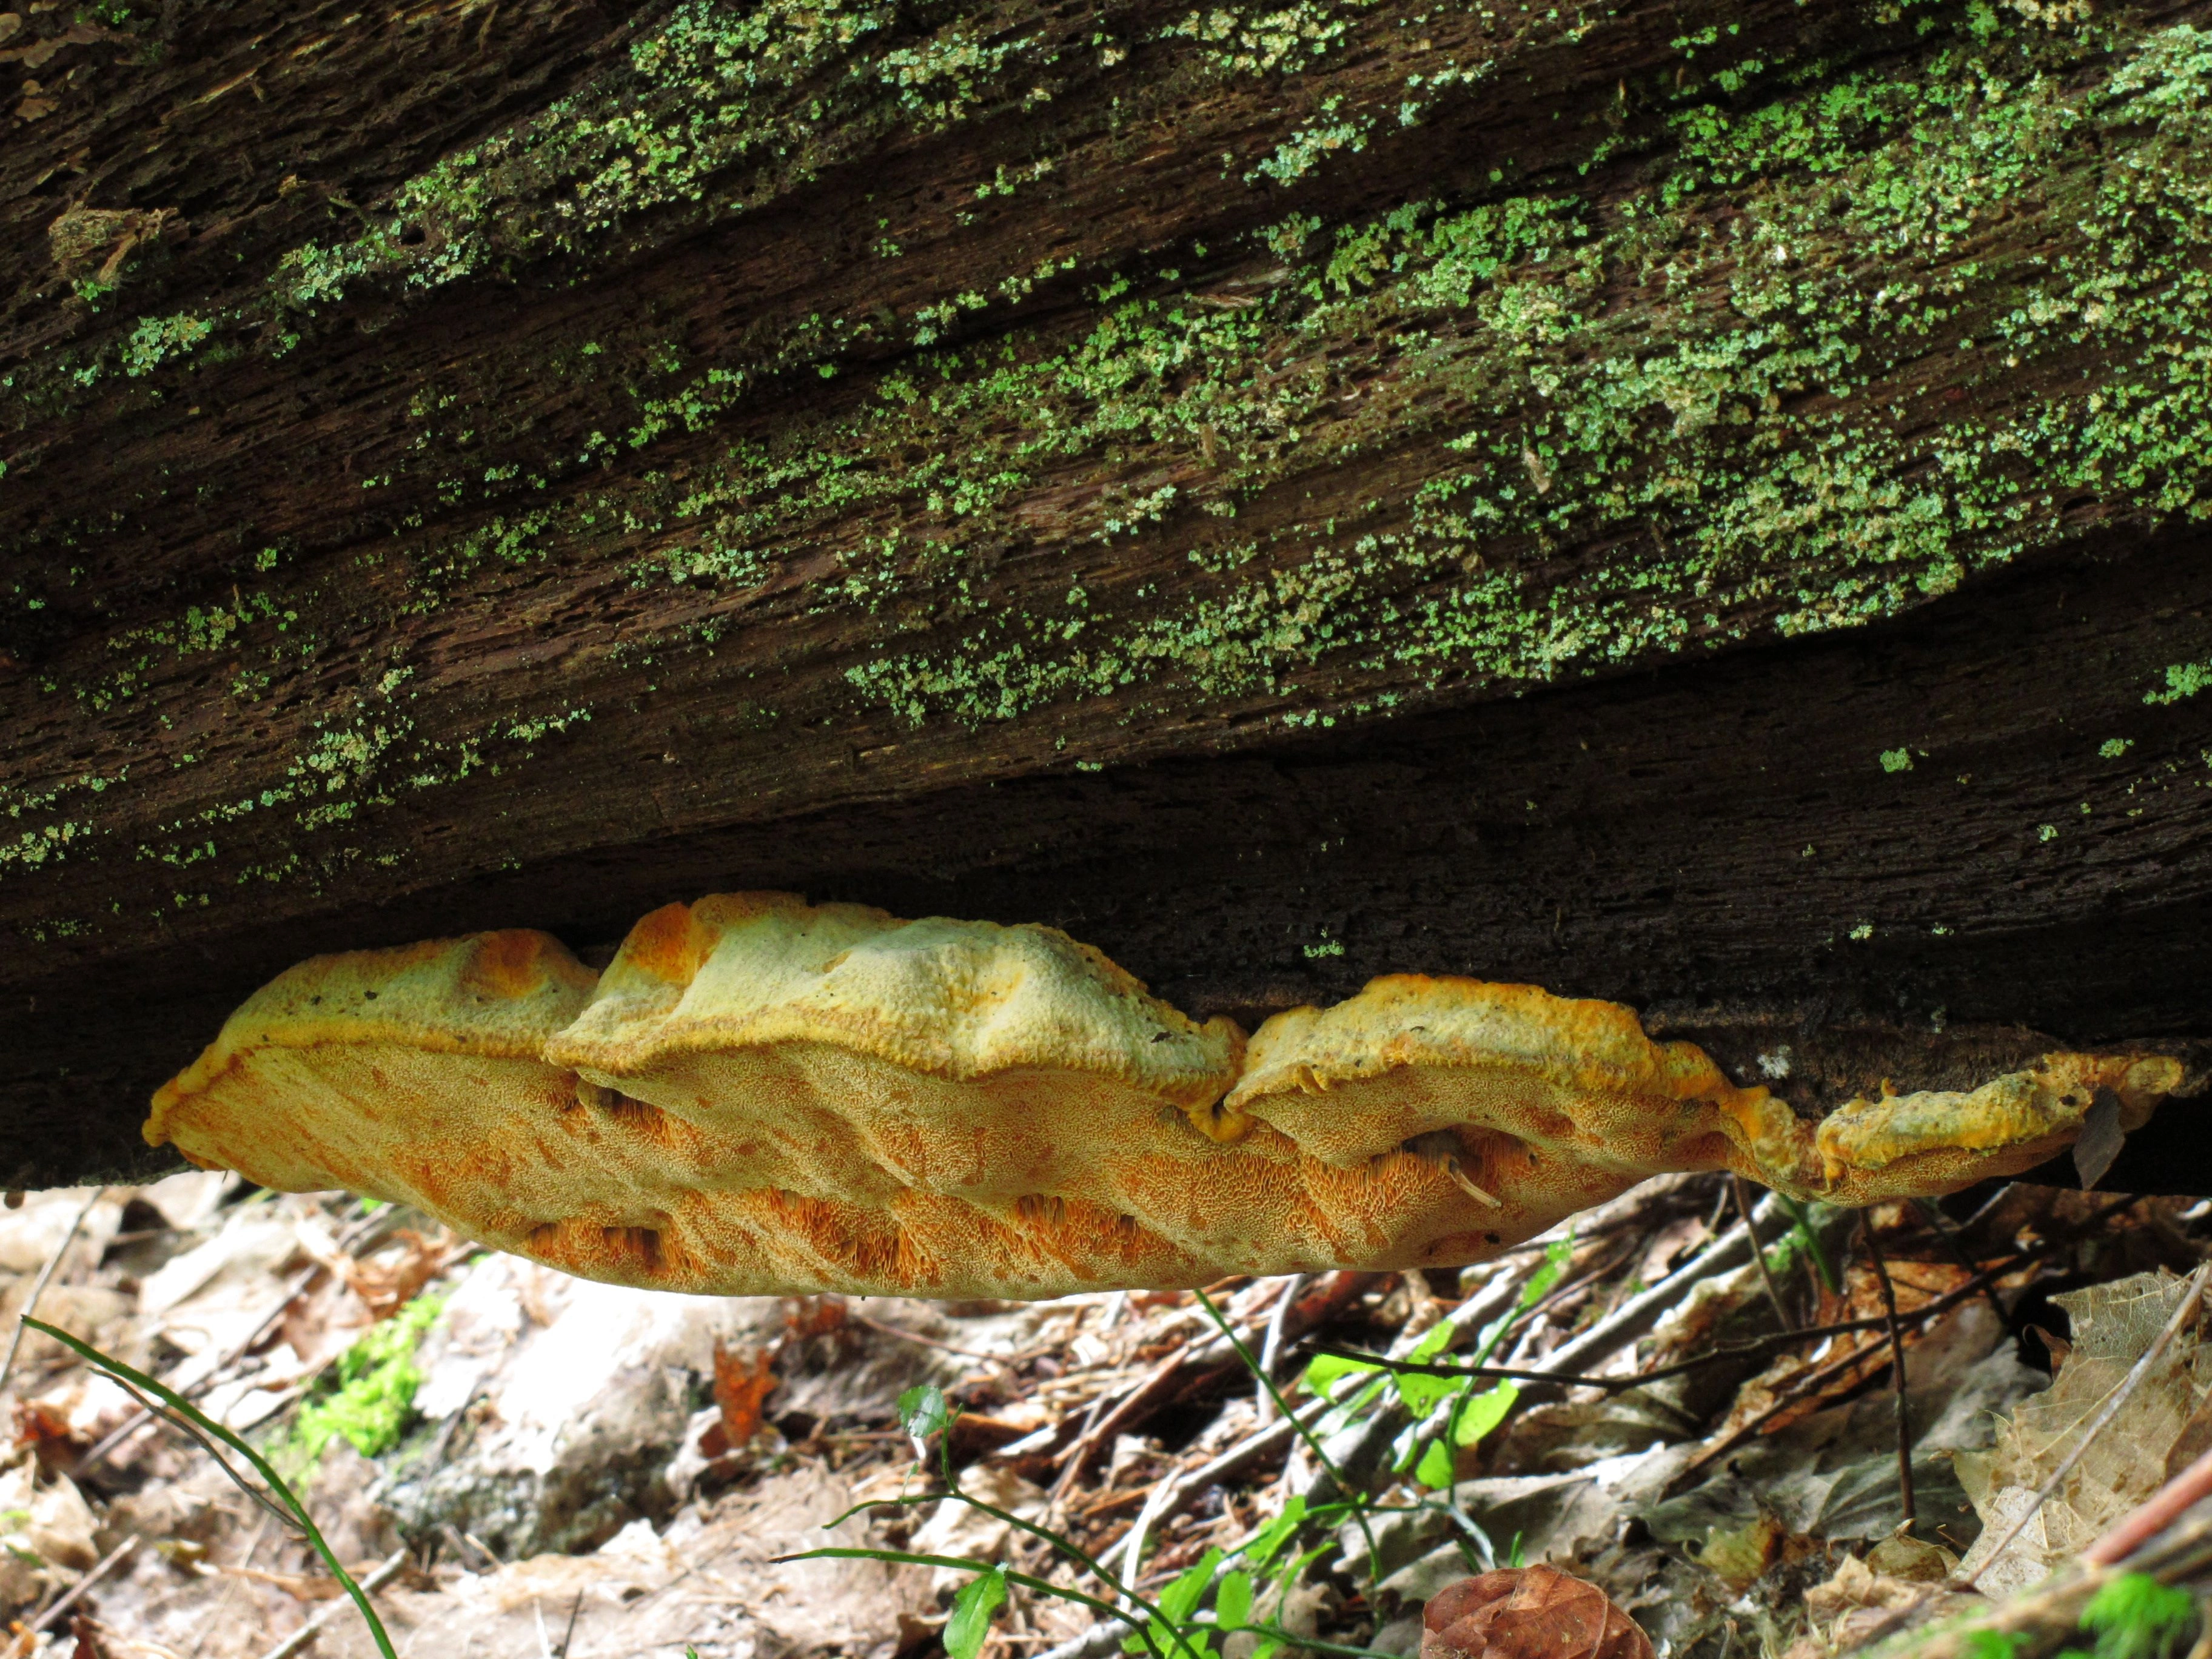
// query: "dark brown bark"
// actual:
[[1834, 692]]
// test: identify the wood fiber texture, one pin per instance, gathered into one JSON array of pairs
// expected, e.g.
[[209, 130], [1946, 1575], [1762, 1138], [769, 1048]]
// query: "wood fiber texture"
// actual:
[[1699, 503]]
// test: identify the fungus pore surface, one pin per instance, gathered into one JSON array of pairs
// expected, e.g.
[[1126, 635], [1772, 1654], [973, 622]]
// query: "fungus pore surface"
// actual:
[[760, 1095]]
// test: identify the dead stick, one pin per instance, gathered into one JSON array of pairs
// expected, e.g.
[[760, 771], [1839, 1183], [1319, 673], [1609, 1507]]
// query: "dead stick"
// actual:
[[2152, 1517], [916, 1337], [1896, 1366], [105, 1566], [1742, 1190], [46, 1273], [385, 1572], [2121, 1395], [1941, 1305], [1271, 1349]]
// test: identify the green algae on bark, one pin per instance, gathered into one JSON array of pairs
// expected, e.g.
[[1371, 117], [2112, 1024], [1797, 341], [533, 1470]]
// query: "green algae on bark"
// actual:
[[1771, 341]]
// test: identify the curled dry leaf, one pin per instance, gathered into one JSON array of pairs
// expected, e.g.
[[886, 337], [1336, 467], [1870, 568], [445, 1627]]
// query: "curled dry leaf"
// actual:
[[2114, 1325], [741, 1389], [1528, 1612]]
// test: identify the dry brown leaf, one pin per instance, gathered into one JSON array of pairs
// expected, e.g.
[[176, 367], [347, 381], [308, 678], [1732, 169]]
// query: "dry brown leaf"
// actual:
[[2114, 1325], [1916, 1283], [388, 1284], [1528, 1612], [741, 1389], [808, 1317]]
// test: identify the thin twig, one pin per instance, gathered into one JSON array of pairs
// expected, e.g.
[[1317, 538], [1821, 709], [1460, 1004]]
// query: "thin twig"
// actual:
[[1013, 1359], [1931, 1215], [1797, 1388], [1271, 1349], [2120, 1397], [46, 1274], [1741, 1187], [99, 1571], [1896, 1366], [2161, 1510], [386, 1571], [369, 1230], [1751, 1349]]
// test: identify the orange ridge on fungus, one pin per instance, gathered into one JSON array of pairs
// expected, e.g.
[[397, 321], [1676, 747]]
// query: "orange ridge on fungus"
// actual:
[[760, 1095]]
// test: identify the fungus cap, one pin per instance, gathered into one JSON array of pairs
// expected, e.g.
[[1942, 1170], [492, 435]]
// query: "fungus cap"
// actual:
[[374, 1070], [759, 1097]]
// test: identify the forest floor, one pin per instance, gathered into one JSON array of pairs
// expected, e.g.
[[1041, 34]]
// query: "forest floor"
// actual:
[[524, 1466]]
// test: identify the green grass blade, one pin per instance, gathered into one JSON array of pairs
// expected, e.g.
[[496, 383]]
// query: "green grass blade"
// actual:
[[192, 1414], [1299, 1427], [1152, 1616]]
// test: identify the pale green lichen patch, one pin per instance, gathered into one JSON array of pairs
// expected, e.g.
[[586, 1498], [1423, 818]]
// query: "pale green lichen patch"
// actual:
[[1747, 453], [2182, 680], [1815, 346], [782, 89], [1750, 458], [157, 338]]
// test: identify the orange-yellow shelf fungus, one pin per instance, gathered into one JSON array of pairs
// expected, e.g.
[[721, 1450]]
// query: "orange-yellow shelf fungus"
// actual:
[[760, 1095]]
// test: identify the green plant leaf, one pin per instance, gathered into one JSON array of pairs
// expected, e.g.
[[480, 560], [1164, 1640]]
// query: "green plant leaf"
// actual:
[[1296, 1570], [1559, 1256], [1261, 1549], [1180, 1599], [2136, 1617], [1423, 1393], [1328, 1368], [1479, 1413], [922, 1411], [1435, 1469], [376, 1379], [1232, 1602], [1434, 1340], [1805, 1235], [970, 1623]]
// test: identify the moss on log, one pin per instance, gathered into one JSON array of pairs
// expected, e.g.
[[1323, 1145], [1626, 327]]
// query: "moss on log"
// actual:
[[517, 462]]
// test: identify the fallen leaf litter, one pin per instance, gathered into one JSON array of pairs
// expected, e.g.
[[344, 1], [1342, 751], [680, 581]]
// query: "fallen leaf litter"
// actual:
[[637, 1460]]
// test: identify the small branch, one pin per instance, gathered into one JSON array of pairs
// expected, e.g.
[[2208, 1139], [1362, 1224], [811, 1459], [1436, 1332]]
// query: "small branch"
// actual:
[[1271, 1349], [105, 1566], [1743, 1203], [386, 1571], [1753, 1349], [1896, 1365], [2121, 1395], [46, 1274], [917, 1337]]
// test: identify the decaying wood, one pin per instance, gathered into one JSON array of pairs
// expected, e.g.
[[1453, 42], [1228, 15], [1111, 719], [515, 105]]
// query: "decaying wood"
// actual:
[[1700, 502]]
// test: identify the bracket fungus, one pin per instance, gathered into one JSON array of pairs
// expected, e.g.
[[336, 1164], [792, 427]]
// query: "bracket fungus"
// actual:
[[760, 1095]]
